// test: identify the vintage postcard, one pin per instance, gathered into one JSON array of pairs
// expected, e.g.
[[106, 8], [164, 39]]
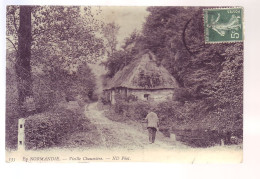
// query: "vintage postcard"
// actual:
[[124, 84]]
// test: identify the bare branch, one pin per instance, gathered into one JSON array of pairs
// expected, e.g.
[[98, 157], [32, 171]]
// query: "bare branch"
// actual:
[[15, 26], [12, 44]]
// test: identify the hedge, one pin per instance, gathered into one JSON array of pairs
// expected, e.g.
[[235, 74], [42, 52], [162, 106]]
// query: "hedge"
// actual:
[[188, 116], [48, 129]]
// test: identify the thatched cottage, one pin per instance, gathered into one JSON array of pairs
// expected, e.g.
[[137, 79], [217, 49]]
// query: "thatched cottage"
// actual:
[[142, 79]]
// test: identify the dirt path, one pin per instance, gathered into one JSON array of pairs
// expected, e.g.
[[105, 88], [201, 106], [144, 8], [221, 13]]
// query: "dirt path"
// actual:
[[132, 140], [120, 135], [116, 141]]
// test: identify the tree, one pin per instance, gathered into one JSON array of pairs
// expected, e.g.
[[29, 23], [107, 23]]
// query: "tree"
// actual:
[[122, 57], [62, 39], [226, 94], [117, 61], [66, 33], [110, 32], [210, 74], [23, 66]]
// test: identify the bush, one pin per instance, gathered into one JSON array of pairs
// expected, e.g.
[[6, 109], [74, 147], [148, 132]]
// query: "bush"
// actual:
[[168, 112], [48, 129], [11, 133], [12, 110], [136, 110], [94, 97], [104, 100], [182, 116]]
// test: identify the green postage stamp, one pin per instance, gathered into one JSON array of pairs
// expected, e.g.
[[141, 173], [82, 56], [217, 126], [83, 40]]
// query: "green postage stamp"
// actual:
[[223, 25]]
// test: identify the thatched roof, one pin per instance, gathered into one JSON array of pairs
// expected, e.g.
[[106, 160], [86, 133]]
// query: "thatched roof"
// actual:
[[143, 73]]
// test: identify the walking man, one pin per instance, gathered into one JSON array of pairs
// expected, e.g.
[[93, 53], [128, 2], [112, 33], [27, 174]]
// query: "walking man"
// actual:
[[152, 125]]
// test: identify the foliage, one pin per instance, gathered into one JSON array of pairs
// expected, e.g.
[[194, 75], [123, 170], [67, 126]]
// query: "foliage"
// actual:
[[62, 37], [12, 107], [11, 132], [227, 92], [66, 36], [117, 61], [211, 75], [183, 119], [50, 128], [122, 57], [12, 21], [81, 82], [110, 32], [64, 40], [75, 84]]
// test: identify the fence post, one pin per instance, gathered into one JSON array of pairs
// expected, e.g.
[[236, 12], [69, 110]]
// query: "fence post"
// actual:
[[21, 137], [222, 143], [173, 137]]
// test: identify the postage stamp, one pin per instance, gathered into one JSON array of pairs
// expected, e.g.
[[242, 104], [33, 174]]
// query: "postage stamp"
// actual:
[[223, 25]]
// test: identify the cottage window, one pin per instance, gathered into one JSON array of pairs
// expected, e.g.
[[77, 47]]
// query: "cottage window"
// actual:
[[21, 126], [146, 96]]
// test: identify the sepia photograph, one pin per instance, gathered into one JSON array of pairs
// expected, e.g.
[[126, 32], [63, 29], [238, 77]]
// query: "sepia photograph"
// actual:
[[124, 84]]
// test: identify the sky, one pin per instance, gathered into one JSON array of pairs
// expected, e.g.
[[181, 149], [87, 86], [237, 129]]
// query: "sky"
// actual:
[[128, 18]]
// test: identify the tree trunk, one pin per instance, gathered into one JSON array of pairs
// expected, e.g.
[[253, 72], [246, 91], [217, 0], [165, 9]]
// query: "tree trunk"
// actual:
[[23, 66]]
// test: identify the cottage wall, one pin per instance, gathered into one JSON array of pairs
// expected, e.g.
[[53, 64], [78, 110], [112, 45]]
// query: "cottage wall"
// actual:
[[152, 95], [158, 95], [107, 95], [121, 91]]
